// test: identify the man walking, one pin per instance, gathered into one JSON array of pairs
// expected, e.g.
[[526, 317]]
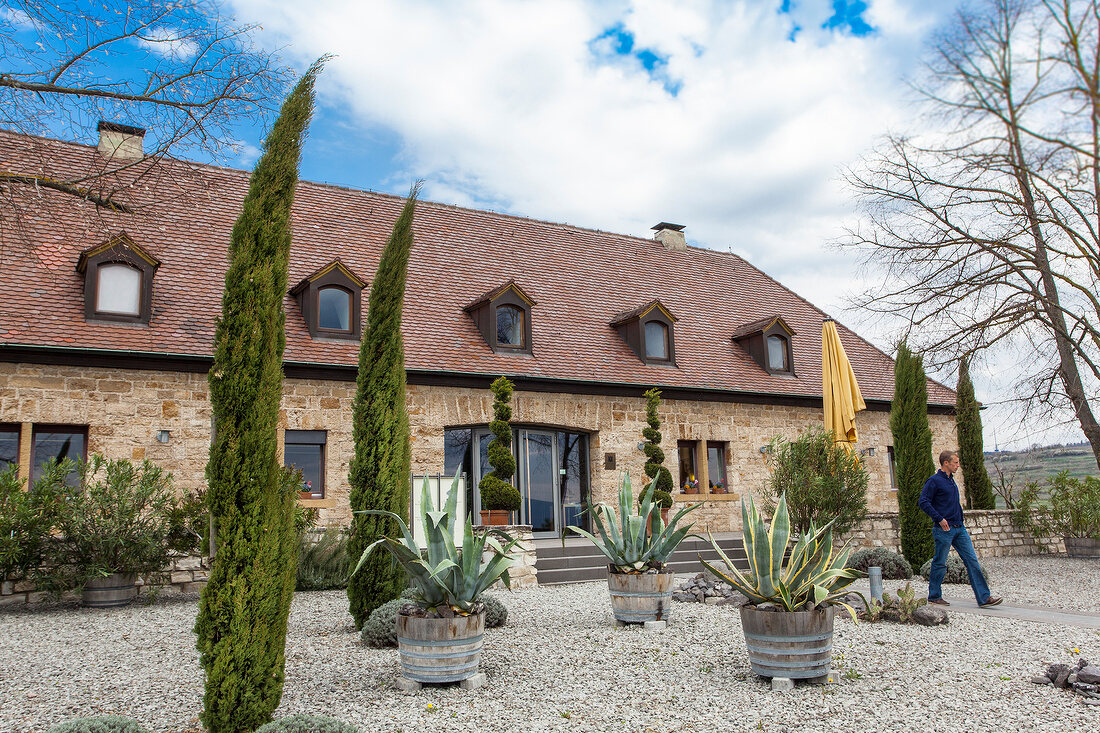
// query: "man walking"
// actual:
[[939, 499]]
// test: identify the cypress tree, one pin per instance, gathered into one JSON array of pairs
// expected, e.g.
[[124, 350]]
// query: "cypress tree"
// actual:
[[912, 453], [654, 456], [497, 491], [968, 424], [242, 619], [380, 469]]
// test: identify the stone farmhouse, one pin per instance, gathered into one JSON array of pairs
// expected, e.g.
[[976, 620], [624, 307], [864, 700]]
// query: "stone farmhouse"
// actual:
[[107, 325]]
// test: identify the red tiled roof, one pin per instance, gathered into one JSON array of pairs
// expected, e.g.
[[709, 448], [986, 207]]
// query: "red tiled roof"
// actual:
[[581, 280]]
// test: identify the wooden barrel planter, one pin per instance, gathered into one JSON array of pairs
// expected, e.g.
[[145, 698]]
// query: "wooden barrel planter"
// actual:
[[637, 598], [798, 645], [436, 650], [113, 591], [1082, 547]]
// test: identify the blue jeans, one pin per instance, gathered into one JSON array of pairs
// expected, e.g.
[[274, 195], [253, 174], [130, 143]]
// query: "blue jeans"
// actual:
[[958, 538]]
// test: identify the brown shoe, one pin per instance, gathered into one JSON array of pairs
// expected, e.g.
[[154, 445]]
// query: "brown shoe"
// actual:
[[941, 602], [991, 601]]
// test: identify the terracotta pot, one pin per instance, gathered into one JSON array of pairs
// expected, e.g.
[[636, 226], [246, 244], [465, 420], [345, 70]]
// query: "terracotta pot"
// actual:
[[718, 490], [664, 518], [496, 517], [798, 644], [691, 490]]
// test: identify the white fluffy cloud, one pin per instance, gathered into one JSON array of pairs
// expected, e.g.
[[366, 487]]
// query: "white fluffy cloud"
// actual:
[[528, 107]]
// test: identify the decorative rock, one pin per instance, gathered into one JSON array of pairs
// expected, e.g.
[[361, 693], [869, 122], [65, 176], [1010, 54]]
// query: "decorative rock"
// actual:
[[713, 600], [655, 625], [478, 680], [1089, 701], [1090, 675], [930, 616], [782, 684], [1062, 679], [406, 685], [1054, 670], [1041, 679]]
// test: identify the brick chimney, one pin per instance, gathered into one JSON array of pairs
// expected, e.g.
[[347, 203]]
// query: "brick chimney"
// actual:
[[670, 235], [120, 141]]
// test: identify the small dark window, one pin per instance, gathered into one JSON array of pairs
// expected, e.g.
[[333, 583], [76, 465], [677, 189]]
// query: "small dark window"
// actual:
[[9, 445], [656, 340], [777, 354], [305, 450], [716, 467], [57, 442], [333, 309], [510, 326], [118, 281], [893, 468], [689, 483]]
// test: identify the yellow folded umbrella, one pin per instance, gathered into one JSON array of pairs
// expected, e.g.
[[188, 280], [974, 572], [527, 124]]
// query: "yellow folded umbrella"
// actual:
[[840, 391]]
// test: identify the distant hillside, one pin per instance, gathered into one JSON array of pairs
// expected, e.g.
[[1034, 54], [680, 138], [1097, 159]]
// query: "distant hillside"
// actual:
[[1036, 464]]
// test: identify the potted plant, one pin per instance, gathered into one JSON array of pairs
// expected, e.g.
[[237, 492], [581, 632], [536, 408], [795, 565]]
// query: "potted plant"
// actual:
[[119, 521], [788, 621], [691, 485], [718, 487], [1072, 512], [663, 500], [499, 498], [439, 635], [637, 547]]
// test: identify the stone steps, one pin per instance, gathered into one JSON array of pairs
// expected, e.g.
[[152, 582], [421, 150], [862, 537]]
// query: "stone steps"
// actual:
[[578, 560]]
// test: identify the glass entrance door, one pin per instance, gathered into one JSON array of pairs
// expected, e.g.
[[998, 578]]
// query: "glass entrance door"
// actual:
[[538, 482]]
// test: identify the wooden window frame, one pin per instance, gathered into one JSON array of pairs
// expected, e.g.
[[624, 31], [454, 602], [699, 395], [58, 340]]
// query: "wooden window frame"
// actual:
[[484, 313], [334, 274], [755, 342], [723, 447], [18, 430], [336, 332], [694, 445], [309, 437], [632, 326], [119, 251], [38, 428]]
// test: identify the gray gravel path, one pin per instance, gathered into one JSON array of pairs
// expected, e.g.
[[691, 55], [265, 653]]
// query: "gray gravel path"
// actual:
[[561, 664]]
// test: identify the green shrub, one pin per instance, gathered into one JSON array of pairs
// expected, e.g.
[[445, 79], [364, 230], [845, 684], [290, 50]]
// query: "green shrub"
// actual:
[[496, 613], [1072, 510], [119, 518], [956, 570], [27, 518], [380, 628], [307, 724], [99, 724], [654, 456], [323, 564], [822, 482], [894, 566]]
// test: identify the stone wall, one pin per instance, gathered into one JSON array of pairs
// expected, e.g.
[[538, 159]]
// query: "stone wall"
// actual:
[[124, 409], [993, 533], [186, 574]]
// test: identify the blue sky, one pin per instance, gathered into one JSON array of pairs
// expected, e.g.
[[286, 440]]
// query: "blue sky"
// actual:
[[736, 118]]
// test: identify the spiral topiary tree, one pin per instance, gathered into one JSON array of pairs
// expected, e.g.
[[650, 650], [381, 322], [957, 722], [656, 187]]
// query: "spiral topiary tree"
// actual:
[[912, 454], [655, 457], [496, 488]]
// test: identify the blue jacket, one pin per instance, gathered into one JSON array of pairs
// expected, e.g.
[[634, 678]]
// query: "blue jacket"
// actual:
[[939, 499]]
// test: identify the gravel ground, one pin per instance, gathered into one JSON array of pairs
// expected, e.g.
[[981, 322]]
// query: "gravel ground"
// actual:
[[561, 664]]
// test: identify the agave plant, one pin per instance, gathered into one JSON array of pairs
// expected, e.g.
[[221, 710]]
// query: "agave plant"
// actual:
[[629, 541], [814, 574], [444, 575]]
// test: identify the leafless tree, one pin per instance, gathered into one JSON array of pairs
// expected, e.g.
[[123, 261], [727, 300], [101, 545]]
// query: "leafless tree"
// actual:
[[174, 67], [987, 228]]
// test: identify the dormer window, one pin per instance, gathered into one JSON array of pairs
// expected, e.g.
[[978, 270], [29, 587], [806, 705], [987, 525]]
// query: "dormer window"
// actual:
[[768, 342], [503, 316], [649, 332], [118, 281], [330, 302]]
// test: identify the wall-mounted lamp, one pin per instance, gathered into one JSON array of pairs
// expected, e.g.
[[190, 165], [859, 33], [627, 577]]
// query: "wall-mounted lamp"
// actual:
[[641, 446], [163, 436], [765, 449], [867, 451]]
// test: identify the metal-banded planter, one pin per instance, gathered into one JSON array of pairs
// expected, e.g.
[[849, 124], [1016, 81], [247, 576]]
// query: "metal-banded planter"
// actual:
[[110, 592], [1082, 547], [796, 644], [637, 598], [436, 650]]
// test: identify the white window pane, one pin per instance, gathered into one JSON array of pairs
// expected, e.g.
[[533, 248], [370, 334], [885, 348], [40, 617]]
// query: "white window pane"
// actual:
[[656, 340], [777, 352], [334, 309], [119, 290]]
